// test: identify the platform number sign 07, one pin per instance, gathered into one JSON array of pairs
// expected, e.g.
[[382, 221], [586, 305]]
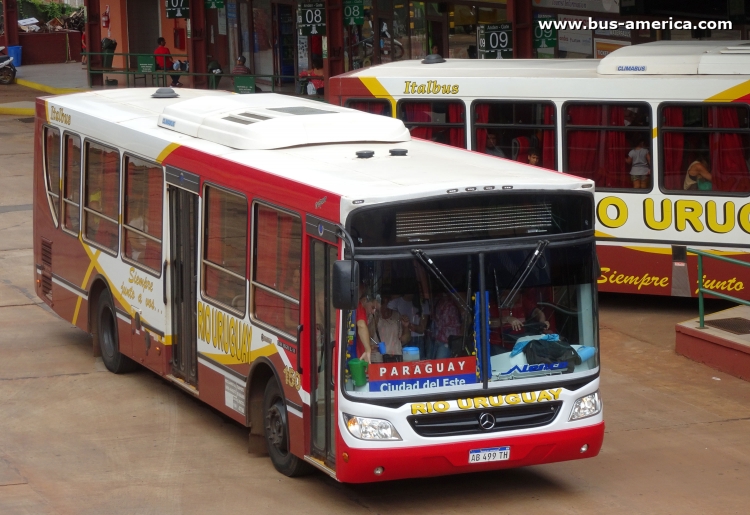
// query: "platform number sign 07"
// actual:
[[354, 12], [495, 41], [178, 8], [311, 19]]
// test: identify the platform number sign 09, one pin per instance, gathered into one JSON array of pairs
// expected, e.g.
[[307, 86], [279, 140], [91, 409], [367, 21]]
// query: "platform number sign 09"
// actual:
[[495, 41], [544, 38], [311, 19], [354, 12], [178, 8]]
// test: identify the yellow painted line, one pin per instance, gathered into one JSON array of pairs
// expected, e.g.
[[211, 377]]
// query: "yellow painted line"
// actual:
[[83, 287], [48, 89], [167, 339], [226, 359], [599, 234], [18, 111], [94, 257], [655, 132], [167, 150], [377, 90], [731, 94]]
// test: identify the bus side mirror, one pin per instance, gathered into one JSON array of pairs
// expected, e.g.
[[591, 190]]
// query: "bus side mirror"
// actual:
[[345, 284]]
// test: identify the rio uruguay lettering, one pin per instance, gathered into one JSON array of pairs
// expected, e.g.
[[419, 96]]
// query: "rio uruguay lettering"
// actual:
[[225, 333], [494, 401], [683, 214]]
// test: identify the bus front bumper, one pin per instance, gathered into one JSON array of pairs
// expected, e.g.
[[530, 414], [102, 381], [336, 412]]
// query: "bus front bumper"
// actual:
[[453, 458]]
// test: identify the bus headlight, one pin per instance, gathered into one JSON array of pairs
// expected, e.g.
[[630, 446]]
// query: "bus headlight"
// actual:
[[370, 428], [586, 406]]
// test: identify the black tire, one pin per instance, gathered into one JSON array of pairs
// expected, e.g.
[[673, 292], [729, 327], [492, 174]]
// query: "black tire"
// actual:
[[6, 75], [109, 339], [276, 432]]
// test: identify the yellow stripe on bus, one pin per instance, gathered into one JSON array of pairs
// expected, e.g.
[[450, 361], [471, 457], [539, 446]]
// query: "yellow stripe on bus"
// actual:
[[167, 150], [226, 359], [731, 94], [377, 90], [83, 287]]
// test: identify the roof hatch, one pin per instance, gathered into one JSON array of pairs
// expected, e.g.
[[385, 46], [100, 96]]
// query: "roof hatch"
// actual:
[[269, 121]]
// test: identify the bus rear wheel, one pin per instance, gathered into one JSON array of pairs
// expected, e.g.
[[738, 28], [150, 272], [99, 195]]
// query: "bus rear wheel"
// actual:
[[109, 343], [276, 432]]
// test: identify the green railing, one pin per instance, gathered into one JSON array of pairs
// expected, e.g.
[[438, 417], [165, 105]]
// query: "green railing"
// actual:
[[145, 68], [701, 290]]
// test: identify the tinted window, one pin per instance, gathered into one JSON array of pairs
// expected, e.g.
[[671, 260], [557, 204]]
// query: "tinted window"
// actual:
[[142, 217], [102, 197]]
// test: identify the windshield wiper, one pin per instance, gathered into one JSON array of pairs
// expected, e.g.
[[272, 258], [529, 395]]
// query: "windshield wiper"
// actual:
[[535, 257], [432, 267]]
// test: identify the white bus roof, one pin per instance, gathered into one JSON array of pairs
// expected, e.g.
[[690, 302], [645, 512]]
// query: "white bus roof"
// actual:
[[134, 121], [656, 58]]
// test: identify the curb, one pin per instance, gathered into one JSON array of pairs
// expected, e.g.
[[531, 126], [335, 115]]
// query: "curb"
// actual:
[[17, 111], [48, 89]]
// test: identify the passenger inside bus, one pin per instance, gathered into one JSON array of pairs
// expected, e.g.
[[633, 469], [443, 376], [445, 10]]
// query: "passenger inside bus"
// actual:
[[392, 329], [491, 147], [698, 177], [416, 310], [533, 157], [639, 160], [364, 318]]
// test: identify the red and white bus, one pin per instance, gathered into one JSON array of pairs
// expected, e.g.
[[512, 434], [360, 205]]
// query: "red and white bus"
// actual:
[[227, 242], [682, 107]]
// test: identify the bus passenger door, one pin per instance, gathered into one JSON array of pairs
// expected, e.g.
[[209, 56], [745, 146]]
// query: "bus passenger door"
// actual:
[[183, 230], [323, 342]]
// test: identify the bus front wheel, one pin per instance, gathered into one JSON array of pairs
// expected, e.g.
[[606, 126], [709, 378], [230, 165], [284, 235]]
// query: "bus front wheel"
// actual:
[[113, 359], [276, 432]]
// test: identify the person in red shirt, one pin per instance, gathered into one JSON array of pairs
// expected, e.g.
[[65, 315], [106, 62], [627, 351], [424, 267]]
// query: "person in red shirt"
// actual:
[[165, 62]]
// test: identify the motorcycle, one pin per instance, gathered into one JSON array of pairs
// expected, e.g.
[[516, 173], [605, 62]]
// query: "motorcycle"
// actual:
[[7, 70]]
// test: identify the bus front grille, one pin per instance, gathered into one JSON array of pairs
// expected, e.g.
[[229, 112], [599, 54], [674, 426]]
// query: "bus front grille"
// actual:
[[468, 423], [489, 219]]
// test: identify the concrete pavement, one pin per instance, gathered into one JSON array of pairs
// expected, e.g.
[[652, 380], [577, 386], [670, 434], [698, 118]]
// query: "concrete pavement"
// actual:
[[76, 439], [40, 80]]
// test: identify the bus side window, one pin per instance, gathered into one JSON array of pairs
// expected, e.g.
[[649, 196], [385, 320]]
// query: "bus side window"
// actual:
[[382, 107], [516, 130], [440, 121], [705, 147], [276, 268], [101, 202], [142, 216], [610, 144], [225, 248], [72, 184], [51, 145]]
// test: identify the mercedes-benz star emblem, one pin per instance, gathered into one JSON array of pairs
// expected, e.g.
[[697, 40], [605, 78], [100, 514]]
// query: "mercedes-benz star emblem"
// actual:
[[487, 421]]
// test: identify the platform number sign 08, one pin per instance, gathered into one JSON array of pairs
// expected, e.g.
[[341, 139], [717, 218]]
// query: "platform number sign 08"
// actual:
[[354, 12], [495, 41], [311, 19], [178, 8]]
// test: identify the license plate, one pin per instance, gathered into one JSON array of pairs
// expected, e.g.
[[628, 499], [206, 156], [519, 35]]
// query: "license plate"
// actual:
[[487, 455]]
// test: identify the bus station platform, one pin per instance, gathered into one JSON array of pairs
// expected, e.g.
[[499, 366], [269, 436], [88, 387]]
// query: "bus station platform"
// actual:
[[723, 344]]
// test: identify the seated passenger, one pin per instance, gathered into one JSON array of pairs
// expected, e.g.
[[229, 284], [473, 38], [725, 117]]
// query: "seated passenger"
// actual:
[[491, 147], [393, 330], [533, 157], [698, 177]]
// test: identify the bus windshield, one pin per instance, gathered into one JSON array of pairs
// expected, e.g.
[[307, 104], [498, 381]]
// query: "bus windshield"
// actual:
[[423, 319]]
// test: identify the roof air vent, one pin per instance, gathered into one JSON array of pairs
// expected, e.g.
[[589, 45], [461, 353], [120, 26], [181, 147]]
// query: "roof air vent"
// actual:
[[433, 59], [398, 152], [165, 93], [365, 154]]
